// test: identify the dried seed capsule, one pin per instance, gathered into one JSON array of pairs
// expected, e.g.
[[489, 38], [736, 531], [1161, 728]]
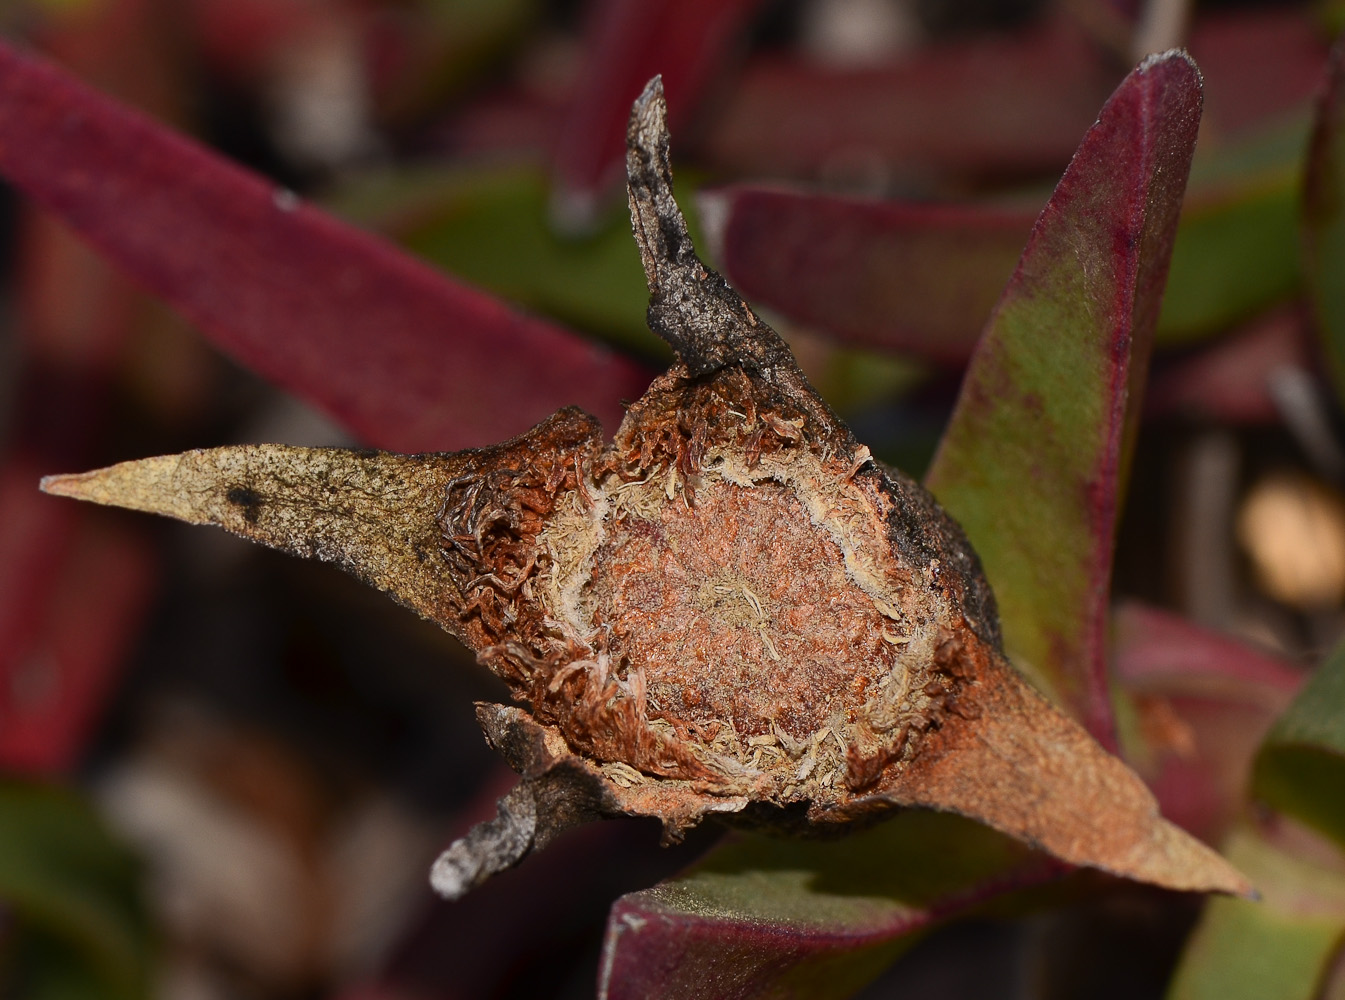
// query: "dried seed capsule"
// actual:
[[729, 586]]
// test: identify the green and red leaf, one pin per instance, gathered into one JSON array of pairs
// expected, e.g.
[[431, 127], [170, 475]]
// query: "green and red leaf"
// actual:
[[1033, 463], [763, 917]]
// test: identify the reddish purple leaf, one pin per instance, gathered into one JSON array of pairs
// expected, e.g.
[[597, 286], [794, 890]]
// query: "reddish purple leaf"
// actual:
[[1258, 65], [1322, 224], [629, 41], [1011, 104], [1203, 702], [1154, 647], [1017, 103], [1229, 381], [402, 355], [1033, 462], [891, 276], [67, 625], [72, 595]]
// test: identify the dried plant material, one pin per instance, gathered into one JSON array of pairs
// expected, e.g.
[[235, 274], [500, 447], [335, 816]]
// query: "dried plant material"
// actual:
[[1293, 528], [730, 610]]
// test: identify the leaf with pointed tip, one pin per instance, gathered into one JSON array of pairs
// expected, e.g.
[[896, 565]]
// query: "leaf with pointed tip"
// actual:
[[1323, 220], [371, 512], [403, 356], [1277, 948], [1300, 769], [1033, 462]]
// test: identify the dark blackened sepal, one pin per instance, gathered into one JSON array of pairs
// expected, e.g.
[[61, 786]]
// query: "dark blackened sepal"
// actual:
[[690, 306], [924, 535], [557, 792]]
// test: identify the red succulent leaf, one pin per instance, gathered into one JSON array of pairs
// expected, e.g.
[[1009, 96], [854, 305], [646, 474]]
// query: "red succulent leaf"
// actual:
[[71, 599], [72, 593], [1229, 381], [1323, 217], [1013, 103], [1033, 462], [894, 276], [403, 356], [629, 41], [1155, 647], [1009, 104], [1258, 65]]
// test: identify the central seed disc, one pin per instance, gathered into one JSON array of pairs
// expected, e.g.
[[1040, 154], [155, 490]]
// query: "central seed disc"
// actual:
[[738, 609]]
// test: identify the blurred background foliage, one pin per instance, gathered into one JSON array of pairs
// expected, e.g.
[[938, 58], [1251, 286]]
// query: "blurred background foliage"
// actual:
[[227, 771]]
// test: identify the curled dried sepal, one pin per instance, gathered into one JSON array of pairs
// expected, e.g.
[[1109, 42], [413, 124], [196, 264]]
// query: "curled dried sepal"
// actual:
[[729, 610]]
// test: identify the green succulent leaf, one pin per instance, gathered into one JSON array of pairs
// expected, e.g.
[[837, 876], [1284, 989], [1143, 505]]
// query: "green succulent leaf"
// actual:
[[491, 228], [74, 893], [1300, 769], [1273, 949]]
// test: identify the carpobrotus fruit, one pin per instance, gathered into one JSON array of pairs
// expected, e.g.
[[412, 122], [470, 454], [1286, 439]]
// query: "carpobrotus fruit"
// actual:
[[731, 609]]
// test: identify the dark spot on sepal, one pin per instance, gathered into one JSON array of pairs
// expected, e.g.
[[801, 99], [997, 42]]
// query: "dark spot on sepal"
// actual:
[[246, 499]]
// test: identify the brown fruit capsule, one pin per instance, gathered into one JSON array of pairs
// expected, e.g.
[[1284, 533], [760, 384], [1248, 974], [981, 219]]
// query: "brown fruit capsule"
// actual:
[[729, 610]]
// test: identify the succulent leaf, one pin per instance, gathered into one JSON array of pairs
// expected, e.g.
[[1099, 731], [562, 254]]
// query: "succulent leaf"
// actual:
[[1033, 462]]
